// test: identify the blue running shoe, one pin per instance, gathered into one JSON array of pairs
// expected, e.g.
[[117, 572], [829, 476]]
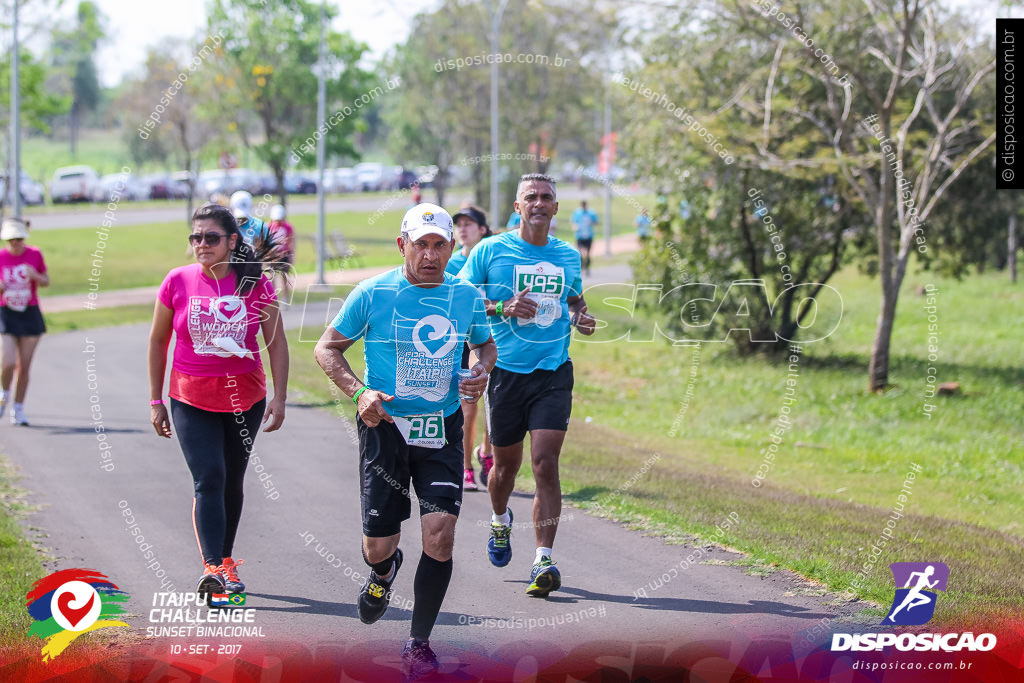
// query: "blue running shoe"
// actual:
[[498, 548], [544, 578]]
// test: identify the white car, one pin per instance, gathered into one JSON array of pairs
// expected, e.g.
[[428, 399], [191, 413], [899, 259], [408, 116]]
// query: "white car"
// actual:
[[125, 185], [74, 183], [31, 191], [370, 176]]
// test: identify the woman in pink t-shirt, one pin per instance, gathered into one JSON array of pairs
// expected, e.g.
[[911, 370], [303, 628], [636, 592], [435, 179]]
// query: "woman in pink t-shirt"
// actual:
[[216, 307], [22, 269], [284, 235]]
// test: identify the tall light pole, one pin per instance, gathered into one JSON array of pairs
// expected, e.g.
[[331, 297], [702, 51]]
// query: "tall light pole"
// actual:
[[495, 13], [14, 179], [321, 114]]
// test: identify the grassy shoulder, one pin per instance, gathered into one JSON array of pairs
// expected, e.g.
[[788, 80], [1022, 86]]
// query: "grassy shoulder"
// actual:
[[21, 565], [670, 438], [140, 255]]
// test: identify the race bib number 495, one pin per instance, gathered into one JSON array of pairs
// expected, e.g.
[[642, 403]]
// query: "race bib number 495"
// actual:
[[545, 283]]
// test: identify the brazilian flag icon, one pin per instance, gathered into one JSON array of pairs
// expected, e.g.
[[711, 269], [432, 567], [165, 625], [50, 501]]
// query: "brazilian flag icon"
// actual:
[[237, 599]]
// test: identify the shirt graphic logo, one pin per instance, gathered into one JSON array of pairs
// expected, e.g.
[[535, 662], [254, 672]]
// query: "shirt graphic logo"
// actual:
[[217, 325], [426, 357], [440, 327], [18, 290], [914, 603]]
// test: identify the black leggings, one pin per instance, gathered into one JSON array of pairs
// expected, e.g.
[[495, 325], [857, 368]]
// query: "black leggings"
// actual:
[[217, 455]]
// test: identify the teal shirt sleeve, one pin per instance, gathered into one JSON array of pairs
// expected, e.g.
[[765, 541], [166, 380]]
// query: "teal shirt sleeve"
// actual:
[[354, 316], [475, 271]]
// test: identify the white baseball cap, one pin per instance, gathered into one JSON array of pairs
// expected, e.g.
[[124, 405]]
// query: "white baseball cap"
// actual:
[[277, 212], [15, 228], [242, 201], [427, 219]]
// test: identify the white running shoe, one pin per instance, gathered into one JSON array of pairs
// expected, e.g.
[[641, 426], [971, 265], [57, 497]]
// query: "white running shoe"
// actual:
[[18, 416]]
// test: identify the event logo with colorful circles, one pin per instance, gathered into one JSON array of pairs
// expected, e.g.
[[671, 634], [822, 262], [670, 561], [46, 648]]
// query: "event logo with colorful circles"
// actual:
[[68, 603]]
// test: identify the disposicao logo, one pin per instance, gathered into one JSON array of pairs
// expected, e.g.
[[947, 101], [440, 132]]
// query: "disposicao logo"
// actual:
[[914, 605], [71, 602]]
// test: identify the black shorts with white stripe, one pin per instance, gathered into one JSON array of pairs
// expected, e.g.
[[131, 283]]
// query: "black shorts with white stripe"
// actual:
[[388, 465]]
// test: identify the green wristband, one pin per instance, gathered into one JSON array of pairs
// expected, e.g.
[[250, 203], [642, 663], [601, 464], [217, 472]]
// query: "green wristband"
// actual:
[[500, 308], [355, 399]]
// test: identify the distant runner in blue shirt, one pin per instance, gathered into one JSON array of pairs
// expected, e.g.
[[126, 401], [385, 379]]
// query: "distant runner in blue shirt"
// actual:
[[514, 220], [470, 228], [583, 222], [249, 226], [533, 292], [643, 225], [413, 320]]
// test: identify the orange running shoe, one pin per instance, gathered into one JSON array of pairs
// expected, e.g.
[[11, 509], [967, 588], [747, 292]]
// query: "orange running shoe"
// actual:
[[212, 580], [231, 581]]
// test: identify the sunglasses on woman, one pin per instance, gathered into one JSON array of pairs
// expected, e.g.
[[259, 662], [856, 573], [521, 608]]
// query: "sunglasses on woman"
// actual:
[[212, 239]]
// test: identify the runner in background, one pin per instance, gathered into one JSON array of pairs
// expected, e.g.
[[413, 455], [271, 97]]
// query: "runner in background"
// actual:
[[413, 320], [534, 296], [22, 270], [250, 226], [284, 236], [215, 308], [514, 219], [583, 222], [471, 227], [643, 226]]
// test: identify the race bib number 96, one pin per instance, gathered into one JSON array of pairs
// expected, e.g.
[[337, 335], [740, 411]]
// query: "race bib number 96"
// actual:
[[422, 430]]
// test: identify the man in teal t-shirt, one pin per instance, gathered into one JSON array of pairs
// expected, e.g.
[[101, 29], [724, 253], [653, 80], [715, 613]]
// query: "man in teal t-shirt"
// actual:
[[414, 321], [533, 290], [583, 221]]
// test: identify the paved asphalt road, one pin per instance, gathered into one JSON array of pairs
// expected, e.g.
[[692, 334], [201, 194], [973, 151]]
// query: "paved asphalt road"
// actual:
[[301, 544]]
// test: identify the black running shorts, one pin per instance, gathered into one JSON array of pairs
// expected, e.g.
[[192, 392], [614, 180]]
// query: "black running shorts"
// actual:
[[519, 403], [387, 464], [27, 323]]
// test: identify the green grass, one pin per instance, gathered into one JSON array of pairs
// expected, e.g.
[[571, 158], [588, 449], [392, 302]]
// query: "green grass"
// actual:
[[21, 565], [141, 255], [841, 465]]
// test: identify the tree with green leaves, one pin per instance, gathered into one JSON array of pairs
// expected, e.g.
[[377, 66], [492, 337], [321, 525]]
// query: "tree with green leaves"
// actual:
[[846, 94], [549, 87], [74, 55], [265, 89]]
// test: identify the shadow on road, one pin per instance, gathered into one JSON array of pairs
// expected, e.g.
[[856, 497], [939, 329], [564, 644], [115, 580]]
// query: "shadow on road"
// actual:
[[62, 430], [687, 605], [347, 609]]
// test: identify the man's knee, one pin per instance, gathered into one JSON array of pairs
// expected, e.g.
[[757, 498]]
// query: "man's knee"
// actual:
[[545, 467], [439, 537]]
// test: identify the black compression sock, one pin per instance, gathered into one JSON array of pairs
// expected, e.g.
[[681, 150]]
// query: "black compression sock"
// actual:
[[429, 588]]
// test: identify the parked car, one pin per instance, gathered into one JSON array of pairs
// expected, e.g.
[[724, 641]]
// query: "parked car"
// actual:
[[127, 187], [31, 191], [299, 183], [160, 186], [370, 176], [180, 182], [406, 179], [74, 183]]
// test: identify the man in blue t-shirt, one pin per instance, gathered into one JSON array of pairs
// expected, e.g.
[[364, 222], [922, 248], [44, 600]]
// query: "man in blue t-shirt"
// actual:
[[533, 290], [583, 222], [414, 321]]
